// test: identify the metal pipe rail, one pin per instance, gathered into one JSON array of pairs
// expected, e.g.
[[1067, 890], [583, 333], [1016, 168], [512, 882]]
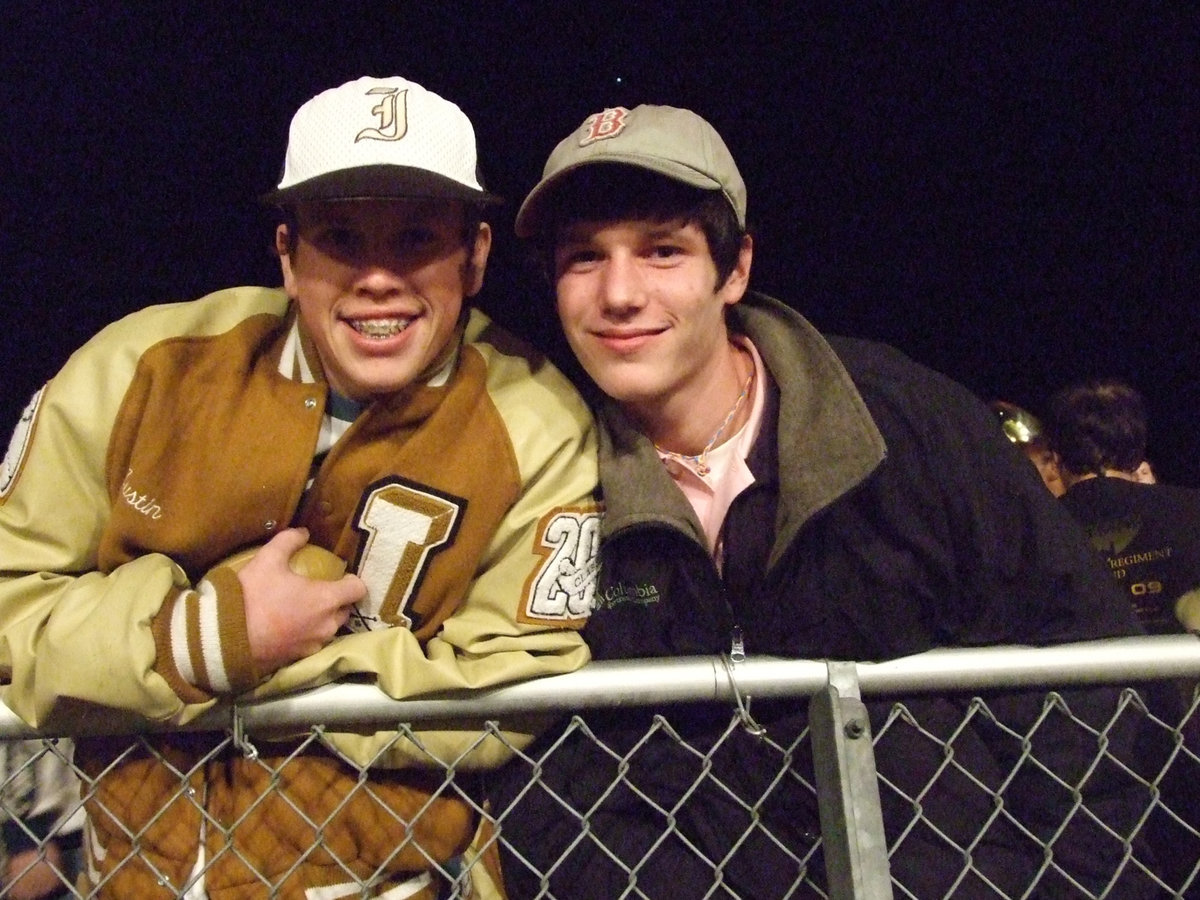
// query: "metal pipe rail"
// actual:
[[653, 682]]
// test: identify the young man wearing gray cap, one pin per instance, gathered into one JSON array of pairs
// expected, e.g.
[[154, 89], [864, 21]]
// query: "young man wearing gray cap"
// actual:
[[772, 491], [361, 420]]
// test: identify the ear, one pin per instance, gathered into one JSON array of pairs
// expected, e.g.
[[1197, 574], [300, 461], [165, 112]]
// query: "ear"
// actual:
[[282, 243], [477, 261], [736, 284]]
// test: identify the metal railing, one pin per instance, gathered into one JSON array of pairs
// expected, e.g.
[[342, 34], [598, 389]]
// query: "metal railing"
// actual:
[[856, 852]]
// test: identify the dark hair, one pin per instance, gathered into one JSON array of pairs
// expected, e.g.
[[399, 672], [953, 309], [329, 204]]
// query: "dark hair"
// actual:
[[1098, 425], [610, 192]]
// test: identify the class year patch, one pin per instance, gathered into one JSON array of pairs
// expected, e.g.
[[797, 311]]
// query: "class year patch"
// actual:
[[18, 446], [563, 587]]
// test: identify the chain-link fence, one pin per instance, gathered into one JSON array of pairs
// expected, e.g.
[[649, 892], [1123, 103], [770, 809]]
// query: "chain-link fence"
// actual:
[[998, 772]]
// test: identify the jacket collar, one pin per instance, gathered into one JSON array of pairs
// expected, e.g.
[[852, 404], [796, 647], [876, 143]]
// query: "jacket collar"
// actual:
[[825, 434]]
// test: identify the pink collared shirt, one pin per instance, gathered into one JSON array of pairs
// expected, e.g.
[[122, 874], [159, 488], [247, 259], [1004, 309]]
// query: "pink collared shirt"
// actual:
[[711, 495]]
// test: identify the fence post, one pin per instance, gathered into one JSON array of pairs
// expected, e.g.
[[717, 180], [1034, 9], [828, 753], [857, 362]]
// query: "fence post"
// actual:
[[856, 861]]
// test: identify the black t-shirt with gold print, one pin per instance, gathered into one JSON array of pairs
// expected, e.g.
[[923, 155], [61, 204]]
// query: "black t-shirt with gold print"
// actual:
[[1149, 536]]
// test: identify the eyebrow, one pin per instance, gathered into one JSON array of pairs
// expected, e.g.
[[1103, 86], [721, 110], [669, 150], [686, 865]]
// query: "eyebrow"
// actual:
[[325, 218], [579, 232], [668, 229]]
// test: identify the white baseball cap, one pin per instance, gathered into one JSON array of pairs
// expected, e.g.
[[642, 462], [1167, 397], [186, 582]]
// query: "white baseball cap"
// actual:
[[380, 137], [673, 142]]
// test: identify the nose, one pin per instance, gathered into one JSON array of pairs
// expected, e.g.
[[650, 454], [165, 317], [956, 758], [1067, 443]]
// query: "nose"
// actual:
[[622, 289], [378, 279], [379, 274]]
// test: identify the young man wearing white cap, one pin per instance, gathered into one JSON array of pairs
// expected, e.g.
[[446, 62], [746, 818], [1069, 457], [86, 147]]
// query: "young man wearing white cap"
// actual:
[[362, 417], [771, 491]]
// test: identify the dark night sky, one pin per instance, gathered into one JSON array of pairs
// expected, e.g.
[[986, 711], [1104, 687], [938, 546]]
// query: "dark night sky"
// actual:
[[1008, 192]]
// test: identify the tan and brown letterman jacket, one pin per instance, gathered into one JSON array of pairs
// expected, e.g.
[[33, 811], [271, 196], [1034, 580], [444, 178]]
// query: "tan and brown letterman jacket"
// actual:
[[185, 432]]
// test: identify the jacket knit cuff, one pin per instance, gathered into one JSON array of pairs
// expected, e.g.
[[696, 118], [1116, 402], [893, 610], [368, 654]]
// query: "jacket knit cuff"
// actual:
[[202, 640]]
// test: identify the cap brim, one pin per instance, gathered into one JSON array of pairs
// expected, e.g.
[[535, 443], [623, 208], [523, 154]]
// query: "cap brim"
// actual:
[[531, 214], [376, 183]]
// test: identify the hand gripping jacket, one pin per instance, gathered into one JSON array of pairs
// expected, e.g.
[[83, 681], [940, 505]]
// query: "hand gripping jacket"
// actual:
[[186, 432]]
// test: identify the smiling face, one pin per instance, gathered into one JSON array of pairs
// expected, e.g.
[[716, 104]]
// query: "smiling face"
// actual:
[[380, 285], [641, 308]]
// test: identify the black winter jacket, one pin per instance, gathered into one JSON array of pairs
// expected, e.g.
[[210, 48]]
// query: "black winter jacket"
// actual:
[[889, 516]]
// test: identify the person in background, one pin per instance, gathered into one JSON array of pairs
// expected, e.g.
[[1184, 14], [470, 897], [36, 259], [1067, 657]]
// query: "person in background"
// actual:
[[1024, 430], [771, 490], [357, 475], [1148, 533]]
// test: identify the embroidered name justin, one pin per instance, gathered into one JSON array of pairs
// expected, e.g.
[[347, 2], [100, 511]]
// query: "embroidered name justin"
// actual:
[[143, 503]]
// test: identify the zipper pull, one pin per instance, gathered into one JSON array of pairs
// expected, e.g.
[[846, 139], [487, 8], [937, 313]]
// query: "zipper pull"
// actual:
[[737, 654], [737, 650]]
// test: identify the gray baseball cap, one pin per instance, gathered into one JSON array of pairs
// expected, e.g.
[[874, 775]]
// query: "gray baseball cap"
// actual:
[[379, 138], [673, 142]]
